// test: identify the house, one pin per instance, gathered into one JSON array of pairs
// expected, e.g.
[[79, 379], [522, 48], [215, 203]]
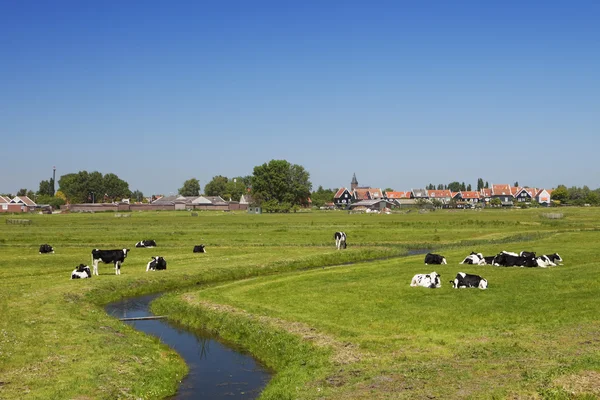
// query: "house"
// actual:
[[504, 193], [543, 197], [366, 193], [372, 205], [525, 195], [397, 195], [419, 194], [21, 204], [442, 195], [469, 197], [6, 206], [342, 197], [246, 199]]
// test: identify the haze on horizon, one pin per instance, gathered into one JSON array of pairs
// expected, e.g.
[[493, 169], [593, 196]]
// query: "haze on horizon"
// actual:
[[402, 94]]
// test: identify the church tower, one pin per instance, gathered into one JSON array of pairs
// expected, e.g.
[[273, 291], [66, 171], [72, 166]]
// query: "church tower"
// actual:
[[354, 183]]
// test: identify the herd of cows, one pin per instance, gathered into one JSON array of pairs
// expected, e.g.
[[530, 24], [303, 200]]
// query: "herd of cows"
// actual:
[[116, 257], [431, 280], [464, 280]]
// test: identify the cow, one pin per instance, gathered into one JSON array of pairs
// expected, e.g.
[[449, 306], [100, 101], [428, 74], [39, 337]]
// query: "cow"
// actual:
[[431, 280], [81, 272], [199, 249], [527, 254], [157, 263], [474, 258], [434, 259], [116, 257], [463, 280], [510, 253], [489, 260], [555, 258], [46, 248], [340, 240], [544, 261], [509, 260], [146, 243]]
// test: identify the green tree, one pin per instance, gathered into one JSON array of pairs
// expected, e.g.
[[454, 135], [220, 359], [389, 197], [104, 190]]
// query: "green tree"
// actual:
[[561, 193], [46, 188], [487, 185], [454, 186], [191, 187], [83, 186], [480, 184], [516, 184], [321, 196], [22, 192], [217, 186], [115, 188], [463, 187], [281, 182], [53, 201], [496, 202], [385, 190], [469, 187], [137, 195]]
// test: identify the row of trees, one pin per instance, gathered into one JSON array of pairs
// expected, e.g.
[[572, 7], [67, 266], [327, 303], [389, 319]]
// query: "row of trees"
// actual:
[[575, 196]]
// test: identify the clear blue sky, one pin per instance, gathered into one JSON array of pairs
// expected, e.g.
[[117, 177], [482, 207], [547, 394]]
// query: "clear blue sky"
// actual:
[[404, 93]]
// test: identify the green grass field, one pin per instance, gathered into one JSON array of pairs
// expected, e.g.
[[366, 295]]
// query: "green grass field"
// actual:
[[332, 324]]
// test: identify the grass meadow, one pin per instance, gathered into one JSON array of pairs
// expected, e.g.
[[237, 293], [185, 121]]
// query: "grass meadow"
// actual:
[[331, 324]]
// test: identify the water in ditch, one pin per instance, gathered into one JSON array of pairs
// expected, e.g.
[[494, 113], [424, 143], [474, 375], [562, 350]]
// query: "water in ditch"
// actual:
[[216, 370]]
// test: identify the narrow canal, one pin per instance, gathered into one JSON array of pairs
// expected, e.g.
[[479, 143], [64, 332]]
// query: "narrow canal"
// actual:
[[216, 370]]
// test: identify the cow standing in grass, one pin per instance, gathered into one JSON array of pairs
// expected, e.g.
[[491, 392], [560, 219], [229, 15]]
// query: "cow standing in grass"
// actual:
[[340, 240], [109, 256]]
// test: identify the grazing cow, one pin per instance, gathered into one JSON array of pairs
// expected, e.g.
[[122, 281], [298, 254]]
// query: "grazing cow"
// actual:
[[463, 280], [157, 263], [340, 240], [508, 260], [431, 280], [146, 243], [81, 272], [199, 249], [109, 256], [474, 258], [434, 259], [46, 248], [527, 254], [555, 258]]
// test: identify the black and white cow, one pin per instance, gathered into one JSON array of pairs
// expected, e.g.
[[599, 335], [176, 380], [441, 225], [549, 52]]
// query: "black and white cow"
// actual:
[[46, 248], [81, 272], [431, 280], [109, 256], [463, 280], [474, 258], [157, 263], [555, 258], [489, 260], [340, 240], [434, 259], [508, 260], [510, 253], [146, 243], [544, 261], [199, 249], [528, 254]]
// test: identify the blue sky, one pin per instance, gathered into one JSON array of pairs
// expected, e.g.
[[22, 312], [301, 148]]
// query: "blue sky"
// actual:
[[402, 93]]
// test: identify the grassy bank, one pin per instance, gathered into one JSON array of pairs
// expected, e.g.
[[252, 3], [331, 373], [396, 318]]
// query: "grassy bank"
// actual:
[[356, 330]]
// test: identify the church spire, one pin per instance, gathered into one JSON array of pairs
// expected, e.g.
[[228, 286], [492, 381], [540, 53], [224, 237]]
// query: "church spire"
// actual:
[[354, 183]]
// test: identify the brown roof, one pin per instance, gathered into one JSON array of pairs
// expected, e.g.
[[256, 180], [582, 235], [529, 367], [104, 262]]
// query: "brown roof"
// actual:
[[24, 199], [4, 200], [398, 195], [486, 192], [338, 194], [498, 190], [367, 194], [470, 195], [439, 194]]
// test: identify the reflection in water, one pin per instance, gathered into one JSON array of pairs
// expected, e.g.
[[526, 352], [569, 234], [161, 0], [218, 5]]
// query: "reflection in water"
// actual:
[[215, 370]]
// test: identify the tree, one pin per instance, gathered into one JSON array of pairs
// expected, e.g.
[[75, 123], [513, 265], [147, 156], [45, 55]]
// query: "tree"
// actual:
[[469, 187], [479, 184], [83, 186], [115, 188], [323, 196], [487, 185], [463, 187], [280, 182], [561, 194], [495, 202], [516, 184], [385, 190], [46, 188], [137, 195], [454, 186], [191, 187], [217, 186], [22, 192]]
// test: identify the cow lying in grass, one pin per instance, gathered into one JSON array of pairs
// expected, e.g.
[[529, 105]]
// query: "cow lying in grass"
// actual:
[[463, 280], [431, 280], [474, 259], [46, 248], [434, 259], [146, 243], [199, 249], [157, 263], [81, 272]]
